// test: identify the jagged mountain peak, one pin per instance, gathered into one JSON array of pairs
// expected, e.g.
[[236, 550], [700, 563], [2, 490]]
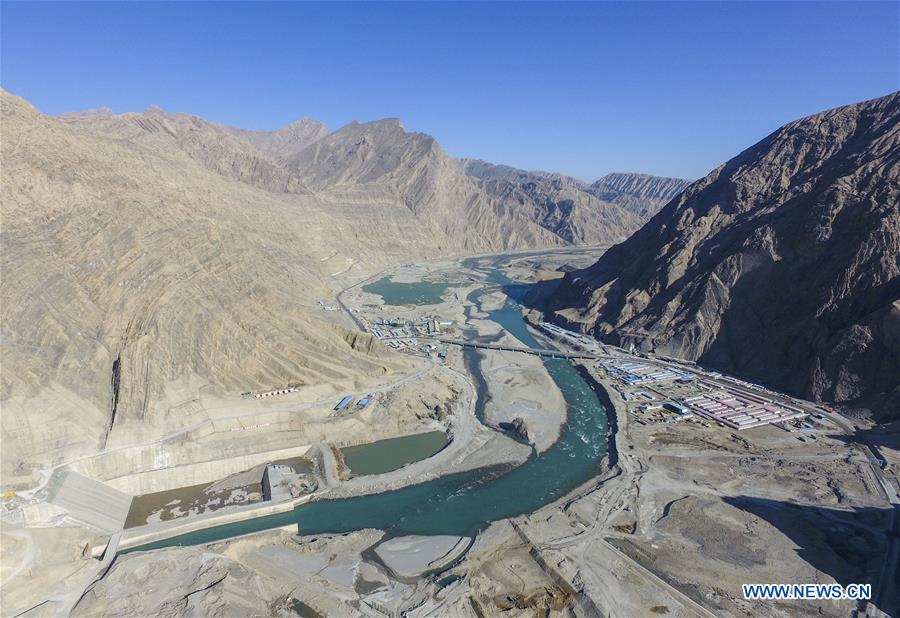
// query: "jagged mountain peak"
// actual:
[[386, 132], [301, 123], [208, 144]]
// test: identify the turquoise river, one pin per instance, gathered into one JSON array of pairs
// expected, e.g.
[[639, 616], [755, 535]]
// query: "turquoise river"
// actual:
[[465, 503]]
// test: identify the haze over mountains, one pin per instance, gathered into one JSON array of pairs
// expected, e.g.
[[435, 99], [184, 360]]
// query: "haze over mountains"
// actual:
[[781, 266], [146, 255]]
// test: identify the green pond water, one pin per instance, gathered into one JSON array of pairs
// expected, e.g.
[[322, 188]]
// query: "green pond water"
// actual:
[[465, 503], [388, 455], [393, 293]]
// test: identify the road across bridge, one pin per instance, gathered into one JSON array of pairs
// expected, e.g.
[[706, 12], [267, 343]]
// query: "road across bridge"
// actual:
[[509, 348]]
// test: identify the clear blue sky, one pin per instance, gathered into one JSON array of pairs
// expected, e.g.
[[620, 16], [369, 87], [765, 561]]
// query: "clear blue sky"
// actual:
[[671, 89]]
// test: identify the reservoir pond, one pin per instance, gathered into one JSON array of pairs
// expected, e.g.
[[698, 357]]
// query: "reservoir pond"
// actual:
[[393, 293], [393, 453]]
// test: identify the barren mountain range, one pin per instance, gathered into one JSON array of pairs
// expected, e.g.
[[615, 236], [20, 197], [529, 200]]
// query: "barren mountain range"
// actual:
[[578, 212], [146, 255], [782, 265]]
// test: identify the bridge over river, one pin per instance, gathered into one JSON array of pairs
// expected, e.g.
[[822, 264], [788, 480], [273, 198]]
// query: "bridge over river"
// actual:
[[510, 348]]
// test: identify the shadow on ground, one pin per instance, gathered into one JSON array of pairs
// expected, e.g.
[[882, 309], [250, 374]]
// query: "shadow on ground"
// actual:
[[850, 545]]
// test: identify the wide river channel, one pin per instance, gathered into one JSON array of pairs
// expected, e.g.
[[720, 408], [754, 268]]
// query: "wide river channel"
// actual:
[[465, 503]]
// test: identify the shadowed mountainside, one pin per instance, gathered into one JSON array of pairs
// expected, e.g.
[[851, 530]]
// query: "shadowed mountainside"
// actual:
[[782, 265], [849, 545], [576, 211]]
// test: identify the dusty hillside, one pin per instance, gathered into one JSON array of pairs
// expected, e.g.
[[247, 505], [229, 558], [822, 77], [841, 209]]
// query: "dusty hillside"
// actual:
[[782, 265], [639, 194], [135, 272], [212, 146], [376, 163], [149, 255]]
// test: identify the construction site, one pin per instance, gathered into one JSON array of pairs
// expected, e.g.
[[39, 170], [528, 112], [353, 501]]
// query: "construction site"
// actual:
[[682, 465]]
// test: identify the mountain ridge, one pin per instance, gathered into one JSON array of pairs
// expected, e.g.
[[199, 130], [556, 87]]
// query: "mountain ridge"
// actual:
[[781, 265], [148, 255], [568, 204], [395, 164], [641, 194]]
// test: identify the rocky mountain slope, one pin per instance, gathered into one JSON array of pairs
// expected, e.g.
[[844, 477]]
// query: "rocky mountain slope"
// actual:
[[577, 212], [139, 266], [556, 202], [214, 147], [148, 255], [381, 159], [380, 162], [286, 141], [782, 265]]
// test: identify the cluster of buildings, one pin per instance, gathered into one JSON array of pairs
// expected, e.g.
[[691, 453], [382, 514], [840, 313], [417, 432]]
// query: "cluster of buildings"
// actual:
[[672, 394], [281, 391], [396, 335], [680, 411], [395, 327], [400, 334], [634, 373], [344, 403], [291, 388], [740, 408]]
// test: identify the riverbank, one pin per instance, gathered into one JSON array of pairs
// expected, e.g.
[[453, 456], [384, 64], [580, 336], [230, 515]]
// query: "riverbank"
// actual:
[[462, 488], [471, 445], [517, 386], [458, 492], [613, 411], [618, 517]]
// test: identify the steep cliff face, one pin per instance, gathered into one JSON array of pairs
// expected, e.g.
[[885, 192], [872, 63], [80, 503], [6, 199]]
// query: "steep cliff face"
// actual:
[[781, 265], [639, 194]]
